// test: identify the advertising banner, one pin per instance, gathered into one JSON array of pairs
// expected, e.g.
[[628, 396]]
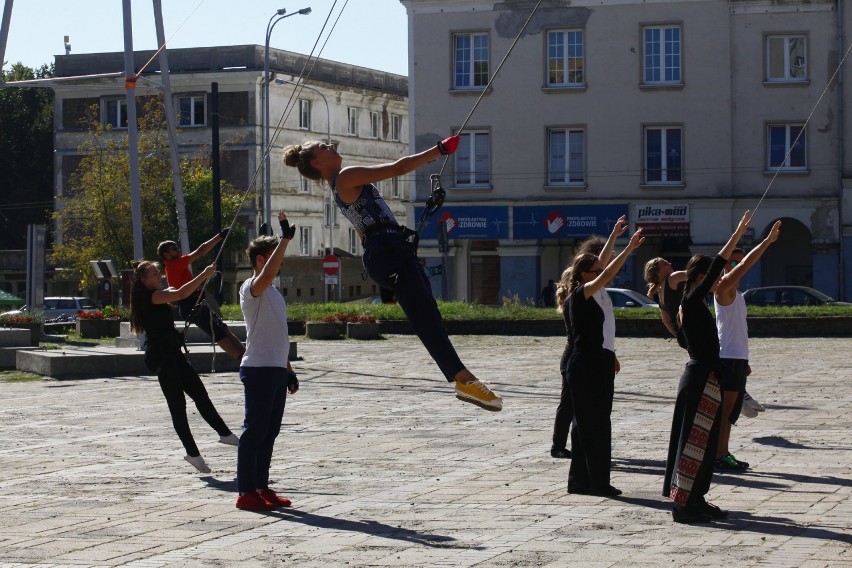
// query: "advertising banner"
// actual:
[[565, 221], [468, 222]]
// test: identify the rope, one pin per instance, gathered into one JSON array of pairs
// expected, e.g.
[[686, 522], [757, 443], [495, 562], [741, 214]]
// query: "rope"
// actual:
[[162, 47], [802, 131], [494, 76]]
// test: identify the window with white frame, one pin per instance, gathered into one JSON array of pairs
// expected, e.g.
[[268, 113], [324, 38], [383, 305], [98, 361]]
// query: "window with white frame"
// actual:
[[396, 192], [192, 110], [305, 243], [375, 125], [304, 185], [786, 58], [116, 113], [473, 159], [565, 58], [304, 114], [330, 216], [353, 241], [470, 61], [352, 117], [662, 53], [663, 154], [787, 147], [566, 156], [396, 127]]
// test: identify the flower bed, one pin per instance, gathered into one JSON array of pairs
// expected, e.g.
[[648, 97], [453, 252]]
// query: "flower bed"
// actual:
[[101, 323]]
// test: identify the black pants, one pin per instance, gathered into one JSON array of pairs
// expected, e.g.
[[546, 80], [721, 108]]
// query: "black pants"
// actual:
[[391, 262], [591, 380], [177, 377], [565, 410], [206, 319], [695, 422]]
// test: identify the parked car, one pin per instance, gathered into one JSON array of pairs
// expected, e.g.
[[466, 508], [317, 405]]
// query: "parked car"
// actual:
[[789, 296], [65, 307], [624, 298]]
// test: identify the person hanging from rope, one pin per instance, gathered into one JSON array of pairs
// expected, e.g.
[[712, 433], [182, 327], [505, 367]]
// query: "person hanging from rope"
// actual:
[[698, 407], [190, 308], [390, 250], [150, 313], [265, 370]]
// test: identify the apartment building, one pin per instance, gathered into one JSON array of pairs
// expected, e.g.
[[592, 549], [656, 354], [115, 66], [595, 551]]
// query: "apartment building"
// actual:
[[363, 111], [680, 114]]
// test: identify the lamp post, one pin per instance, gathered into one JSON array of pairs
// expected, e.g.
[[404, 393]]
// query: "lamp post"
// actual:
[[279, 15], [327, 141]]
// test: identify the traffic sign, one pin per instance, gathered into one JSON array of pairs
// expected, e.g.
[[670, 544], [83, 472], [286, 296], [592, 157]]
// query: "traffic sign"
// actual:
[[330, 264]]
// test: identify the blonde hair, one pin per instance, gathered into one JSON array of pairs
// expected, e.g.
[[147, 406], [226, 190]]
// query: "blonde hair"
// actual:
[[652, 276], [299, 156], [570, 279]]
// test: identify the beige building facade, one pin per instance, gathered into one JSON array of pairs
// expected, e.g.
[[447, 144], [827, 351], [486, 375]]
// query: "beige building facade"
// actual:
[[680, 114], [363, 111]]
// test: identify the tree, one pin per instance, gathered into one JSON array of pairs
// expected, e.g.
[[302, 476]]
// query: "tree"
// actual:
[[26, 155], [95, 219]]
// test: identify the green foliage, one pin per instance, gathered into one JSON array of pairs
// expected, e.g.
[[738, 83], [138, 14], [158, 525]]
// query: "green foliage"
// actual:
[[26, 155], [96, 218]]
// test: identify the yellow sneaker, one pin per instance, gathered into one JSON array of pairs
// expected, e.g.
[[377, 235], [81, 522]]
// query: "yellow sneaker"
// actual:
[[478, 393]]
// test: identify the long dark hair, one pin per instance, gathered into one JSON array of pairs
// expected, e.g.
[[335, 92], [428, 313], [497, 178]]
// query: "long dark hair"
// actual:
[[137, 289], [697, 266]]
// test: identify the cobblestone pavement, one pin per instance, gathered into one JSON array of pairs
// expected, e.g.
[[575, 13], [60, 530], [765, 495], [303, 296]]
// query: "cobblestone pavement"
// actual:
[[386, 468]]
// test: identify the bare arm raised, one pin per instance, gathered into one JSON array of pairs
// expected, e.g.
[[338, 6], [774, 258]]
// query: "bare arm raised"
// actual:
[[175, 295], [618, 229], [636, 239], [727, 289]]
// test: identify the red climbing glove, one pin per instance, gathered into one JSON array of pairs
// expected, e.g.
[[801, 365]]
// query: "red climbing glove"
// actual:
[[448, 145]]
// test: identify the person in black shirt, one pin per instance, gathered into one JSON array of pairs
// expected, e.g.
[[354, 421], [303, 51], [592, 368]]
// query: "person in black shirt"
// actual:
[[150, 313], [590, 371], [698, 407]]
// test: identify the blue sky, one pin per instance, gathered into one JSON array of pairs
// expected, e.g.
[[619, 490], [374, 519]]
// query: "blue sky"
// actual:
[[370, 33]]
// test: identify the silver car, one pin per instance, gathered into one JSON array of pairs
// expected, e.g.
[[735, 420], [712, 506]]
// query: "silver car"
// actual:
[[624, 298]]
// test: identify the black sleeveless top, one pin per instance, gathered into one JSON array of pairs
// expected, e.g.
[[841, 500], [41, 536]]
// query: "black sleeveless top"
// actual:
[[158, 322]]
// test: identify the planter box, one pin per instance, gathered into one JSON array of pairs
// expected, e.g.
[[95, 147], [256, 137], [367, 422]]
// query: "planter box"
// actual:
[[95, 329], [362, 330], [323, 329], [33, 328]]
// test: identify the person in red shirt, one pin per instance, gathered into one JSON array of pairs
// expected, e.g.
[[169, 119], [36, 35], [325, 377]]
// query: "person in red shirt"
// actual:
[[178, 273]]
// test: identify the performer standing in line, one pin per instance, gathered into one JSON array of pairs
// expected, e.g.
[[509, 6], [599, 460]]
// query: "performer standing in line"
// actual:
[[177, 270], [698, 407], [150, 313], [565, 411], [265, 370], [591, 370], [390, 250], [732, 327]]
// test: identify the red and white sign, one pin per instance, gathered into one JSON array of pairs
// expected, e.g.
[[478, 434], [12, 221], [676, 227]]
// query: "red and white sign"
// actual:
[[330, 264]]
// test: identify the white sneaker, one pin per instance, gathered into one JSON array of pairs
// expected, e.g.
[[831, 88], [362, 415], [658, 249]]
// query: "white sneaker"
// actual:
[[198, 463], [752, 402], [748, 411], [231, 439]]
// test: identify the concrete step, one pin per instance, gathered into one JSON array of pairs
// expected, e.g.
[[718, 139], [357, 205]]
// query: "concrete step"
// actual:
[[105, 362]]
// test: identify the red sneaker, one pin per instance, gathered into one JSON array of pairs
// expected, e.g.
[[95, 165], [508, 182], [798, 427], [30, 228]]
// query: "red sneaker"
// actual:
[[276, 501], [253, 501]]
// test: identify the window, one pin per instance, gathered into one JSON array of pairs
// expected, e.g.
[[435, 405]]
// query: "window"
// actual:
[[304, 114], [353, 241], [787, 147], [116, 113], [786, 59], [662, 55], [565, 58], [352, 114], [395, 191], [396, 127], [473, 159], [663, 155], [304, 185], [330, 215], [305, 247], [375, 125], [470, 69], [192, 111], [566, 156]]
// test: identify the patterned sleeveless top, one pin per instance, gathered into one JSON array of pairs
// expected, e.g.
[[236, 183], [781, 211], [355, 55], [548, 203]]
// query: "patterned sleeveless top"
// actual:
[[368, 210]]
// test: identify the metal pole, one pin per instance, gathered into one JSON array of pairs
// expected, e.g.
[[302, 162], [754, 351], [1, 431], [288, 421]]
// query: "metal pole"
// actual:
[[4, 33], [171, 124], [132, 133]]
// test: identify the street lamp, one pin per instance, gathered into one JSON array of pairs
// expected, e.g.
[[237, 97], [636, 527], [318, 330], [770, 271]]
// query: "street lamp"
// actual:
[[279, 15], [331, 205]]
